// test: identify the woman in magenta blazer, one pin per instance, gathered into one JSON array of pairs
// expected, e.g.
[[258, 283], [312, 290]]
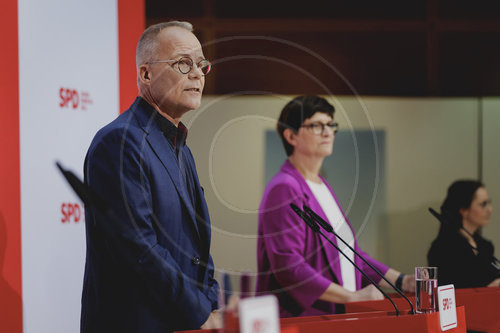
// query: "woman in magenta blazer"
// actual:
[[307, 274]]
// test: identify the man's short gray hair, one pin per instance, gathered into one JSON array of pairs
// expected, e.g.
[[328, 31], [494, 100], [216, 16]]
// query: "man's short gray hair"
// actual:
[[146, 47]]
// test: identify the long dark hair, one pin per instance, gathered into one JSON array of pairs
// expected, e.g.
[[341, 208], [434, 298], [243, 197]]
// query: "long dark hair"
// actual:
[[460, 195]]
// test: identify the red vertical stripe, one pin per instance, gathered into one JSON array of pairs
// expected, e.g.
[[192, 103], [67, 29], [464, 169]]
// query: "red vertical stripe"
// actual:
[[10, 196], [131, 24]]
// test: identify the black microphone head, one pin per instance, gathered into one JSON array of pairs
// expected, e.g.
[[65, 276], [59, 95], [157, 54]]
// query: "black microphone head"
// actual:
[[315, 217], [60, 167], [305, 217], [74, 182], [438, 216], [295, 208], [83, 191]]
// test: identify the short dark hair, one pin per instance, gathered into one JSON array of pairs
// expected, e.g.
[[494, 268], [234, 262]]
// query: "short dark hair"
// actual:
[[460, 195], [297, 111]]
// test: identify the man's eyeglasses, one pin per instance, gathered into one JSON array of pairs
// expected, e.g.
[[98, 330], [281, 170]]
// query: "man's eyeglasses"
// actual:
[[319, 128], [185, 65]]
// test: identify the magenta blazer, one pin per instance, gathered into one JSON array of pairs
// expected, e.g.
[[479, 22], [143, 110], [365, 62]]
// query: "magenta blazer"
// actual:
[[294, 263]]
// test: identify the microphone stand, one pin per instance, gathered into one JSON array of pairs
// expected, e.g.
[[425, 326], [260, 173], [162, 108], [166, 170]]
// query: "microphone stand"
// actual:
[[311, 224], [328, 228]]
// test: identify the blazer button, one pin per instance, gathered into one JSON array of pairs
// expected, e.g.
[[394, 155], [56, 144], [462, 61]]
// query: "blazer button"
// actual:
[[195, 260]]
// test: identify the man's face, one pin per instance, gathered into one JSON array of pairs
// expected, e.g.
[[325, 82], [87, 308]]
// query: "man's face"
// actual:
[[173, 92]]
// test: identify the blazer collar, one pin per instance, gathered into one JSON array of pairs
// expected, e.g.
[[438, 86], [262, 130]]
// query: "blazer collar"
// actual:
[[144, 113], [287, 167]]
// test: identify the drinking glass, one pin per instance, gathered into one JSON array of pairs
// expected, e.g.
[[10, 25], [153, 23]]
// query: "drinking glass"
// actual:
[[426, 289]]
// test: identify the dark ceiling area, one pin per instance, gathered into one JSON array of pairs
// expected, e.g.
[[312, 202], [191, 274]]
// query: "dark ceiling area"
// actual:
[[389, 48]]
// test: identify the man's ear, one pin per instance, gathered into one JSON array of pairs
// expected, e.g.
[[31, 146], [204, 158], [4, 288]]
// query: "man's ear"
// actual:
[[144, 74], [290, 136]]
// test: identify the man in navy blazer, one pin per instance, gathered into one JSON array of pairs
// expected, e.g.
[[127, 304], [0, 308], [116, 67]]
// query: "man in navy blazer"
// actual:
[[149, 269]]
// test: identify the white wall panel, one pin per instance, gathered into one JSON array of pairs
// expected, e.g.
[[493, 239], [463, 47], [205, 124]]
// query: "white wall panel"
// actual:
[[66, 49]]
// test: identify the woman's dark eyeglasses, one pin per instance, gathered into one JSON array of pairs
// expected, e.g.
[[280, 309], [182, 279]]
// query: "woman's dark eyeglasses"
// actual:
[[319, 128]]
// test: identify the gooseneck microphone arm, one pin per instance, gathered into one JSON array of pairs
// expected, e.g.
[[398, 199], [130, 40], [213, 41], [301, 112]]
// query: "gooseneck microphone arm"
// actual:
[[328, 228], [311, 224]]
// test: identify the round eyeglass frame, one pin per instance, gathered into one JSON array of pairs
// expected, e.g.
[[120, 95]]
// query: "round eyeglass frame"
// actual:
[[186, 61]]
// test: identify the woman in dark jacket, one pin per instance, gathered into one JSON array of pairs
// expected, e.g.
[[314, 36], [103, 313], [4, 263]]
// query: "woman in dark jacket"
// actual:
[[463, 257]]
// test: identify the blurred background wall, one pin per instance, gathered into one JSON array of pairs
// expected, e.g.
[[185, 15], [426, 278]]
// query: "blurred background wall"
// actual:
[[392, 48], [424, 76], [429, 142]]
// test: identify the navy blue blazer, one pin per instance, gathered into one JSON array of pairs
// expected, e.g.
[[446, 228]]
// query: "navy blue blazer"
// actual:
[[149, 270]]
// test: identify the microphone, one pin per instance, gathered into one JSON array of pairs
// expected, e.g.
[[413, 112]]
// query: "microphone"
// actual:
[[445, 222], [328, 228], [438, 216], [311, 224], [85, 193]]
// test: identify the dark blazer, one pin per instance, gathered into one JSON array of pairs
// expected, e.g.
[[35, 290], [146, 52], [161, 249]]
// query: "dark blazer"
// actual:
[[150, 269]]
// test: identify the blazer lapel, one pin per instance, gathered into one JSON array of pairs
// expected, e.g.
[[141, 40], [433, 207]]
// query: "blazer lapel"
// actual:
[[145, 116], [157, 141], [332, 259]]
